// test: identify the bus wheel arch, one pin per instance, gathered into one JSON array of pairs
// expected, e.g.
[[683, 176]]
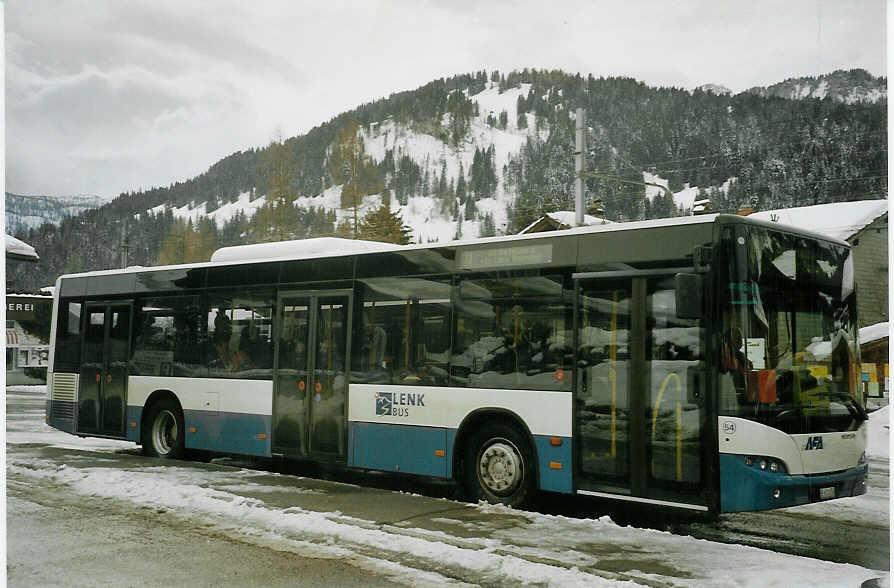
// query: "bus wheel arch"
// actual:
[[162, 430], [495, 458]]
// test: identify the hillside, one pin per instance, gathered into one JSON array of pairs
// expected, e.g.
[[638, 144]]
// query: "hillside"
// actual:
[[849, 87], [29, 212], [483, 154]]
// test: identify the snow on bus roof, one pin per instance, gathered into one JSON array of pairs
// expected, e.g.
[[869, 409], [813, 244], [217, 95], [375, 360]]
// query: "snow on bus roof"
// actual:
[[299, 249]]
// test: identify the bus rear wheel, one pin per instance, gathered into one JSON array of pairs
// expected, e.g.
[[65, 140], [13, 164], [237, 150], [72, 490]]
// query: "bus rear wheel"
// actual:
[[163, 430], [497, 466]]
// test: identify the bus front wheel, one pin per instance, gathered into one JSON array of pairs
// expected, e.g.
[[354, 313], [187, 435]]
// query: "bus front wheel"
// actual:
[[498, 466], [163, 430]]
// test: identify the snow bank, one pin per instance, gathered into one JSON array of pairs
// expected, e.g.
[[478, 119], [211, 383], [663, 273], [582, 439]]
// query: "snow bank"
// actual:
[[879, 442]]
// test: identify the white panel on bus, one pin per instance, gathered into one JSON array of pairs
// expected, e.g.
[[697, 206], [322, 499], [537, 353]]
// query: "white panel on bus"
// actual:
[[229, 395], [544, 413], [801, 454]]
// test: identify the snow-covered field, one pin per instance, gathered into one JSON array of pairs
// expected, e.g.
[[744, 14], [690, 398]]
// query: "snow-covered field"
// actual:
[[453, 542]]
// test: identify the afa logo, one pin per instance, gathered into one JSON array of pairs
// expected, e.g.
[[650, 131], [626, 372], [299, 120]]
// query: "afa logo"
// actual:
[[383, 403], [815, 442]]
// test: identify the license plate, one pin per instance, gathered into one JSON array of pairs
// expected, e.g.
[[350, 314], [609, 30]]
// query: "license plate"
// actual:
[[827, 493]]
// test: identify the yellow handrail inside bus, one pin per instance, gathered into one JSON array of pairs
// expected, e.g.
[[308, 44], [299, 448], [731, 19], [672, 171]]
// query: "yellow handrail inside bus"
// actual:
[[612, 374], [679, 411]]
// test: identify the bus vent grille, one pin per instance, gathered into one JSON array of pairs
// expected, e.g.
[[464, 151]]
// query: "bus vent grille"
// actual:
[[64, 386], [64, 412]]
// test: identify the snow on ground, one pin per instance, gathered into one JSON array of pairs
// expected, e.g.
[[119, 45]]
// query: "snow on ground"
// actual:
[[682, 199], [537, 549], [507, 557], [220, 216]]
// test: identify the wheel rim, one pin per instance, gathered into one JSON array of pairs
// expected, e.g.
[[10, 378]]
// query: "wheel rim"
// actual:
[[500, 467], [164, 432]]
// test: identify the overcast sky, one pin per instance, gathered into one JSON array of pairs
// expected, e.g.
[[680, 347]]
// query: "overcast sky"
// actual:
[[107, 96]]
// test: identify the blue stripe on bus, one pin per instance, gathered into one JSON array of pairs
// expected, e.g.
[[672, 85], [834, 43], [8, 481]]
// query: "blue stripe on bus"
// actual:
[[227, 432], [555, 463], [412, 449], [745, 488], [134, 417], [399, 448]]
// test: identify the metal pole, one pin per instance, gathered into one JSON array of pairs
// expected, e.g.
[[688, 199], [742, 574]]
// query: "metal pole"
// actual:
[[125, 244], [580, 147]]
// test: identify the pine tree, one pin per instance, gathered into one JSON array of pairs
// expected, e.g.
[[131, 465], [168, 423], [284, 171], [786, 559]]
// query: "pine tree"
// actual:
[[282, 193], [175, 247], [385, 226], [345, 166]]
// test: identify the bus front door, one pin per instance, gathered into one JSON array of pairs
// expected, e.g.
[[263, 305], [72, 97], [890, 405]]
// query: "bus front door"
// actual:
[[640, 420], [311, 375], [102, 389]]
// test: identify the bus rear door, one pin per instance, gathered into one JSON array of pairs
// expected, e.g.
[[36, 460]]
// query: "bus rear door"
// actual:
[[102, 391]]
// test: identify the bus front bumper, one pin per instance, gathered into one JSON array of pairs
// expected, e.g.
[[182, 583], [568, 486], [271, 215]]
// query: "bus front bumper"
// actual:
[[746, 487]]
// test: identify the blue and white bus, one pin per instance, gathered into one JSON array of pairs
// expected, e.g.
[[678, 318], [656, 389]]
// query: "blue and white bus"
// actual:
[[706, 363]]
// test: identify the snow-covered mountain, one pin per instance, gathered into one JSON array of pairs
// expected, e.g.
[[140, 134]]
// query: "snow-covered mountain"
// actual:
[[29, 212], [422, 213], [851, 87]]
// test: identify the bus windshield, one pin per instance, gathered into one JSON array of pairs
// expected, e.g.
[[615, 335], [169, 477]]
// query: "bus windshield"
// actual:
[[789, 353]]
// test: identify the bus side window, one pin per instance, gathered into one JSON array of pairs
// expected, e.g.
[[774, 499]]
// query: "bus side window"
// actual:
[[513, 333], [405, 332], [68, 337], [240, 331], [167, 337]]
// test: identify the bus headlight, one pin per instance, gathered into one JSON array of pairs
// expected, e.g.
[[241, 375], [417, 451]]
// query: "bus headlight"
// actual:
[[766, 464]]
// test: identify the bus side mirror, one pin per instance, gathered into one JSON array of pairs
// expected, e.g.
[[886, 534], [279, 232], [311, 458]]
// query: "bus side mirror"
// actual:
[[688, 288]]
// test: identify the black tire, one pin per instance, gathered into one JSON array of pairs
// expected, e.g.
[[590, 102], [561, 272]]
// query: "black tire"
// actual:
[[498, 466], [163, 430]]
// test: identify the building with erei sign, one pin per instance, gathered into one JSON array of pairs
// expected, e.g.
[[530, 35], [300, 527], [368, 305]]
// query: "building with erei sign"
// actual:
[[28, 319], [27, 324]]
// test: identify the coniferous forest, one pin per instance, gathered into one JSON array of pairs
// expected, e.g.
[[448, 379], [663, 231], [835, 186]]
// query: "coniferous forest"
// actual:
[[766, 151]]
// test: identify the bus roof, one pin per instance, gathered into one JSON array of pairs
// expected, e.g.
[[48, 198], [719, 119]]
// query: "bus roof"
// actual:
[[334, 247]]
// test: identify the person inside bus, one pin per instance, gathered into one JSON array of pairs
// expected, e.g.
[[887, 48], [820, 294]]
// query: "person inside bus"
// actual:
[[733, 366]]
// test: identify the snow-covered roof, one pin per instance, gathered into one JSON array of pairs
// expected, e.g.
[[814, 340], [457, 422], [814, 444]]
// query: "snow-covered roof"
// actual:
[[300, 249], [567, 218], [840, 220], [874, 332], [19, 250]]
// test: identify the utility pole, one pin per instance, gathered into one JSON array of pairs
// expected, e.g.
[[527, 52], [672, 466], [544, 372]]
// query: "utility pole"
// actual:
[[579, 149], [125, 244]]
